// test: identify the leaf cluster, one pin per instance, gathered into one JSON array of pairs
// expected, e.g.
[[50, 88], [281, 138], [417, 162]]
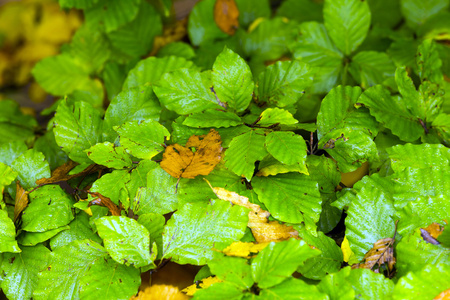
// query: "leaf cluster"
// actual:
[[292, 101]]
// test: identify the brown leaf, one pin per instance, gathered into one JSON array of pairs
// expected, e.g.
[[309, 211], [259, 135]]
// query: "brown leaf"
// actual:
[[105, 201], [61, 173], [21, 200], [434, 229], [226, 16], [381, 253], [263, 231], [181, 161]]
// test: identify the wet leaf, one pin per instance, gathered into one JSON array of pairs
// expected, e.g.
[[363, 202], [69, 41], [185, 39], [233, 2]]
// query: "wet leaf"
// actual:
[[101, 200], [181, 161], [21, 200], [226, 15], [245, 250], [381, 253]]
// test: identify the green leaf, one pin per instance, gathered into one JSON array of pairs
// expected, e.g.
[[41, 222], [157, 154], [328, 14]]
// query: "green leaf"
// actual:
[[35, 238], [184, 92], [113, 186], [243, 151], [7, 175], [413, 243], [290, 197], [287, 147], [138, 103], [391, 111], [11, 150], [20, 271], [30, 166], [136, 38], [160, 196], [269, 165], [77, 128], [126, 240], [315, 48], [323, 170], [422, 212], [78, 4], [250, 10], [369, 220], [143, 139], [232, 269], [112, 14], [424, 284], [278, 261], [151, 69], [219, 291], [14, 124], [201, 25], [385, 13], [178, 49], [338, 111], [442, 124], [328, 261], [49, 208], [48, 146], [362, 283], [291, 289], [276, 115], [232, 80], [79, 230], [301, 10], [7, 234], [212, 118], [82, 270], [155, 226], [284, 82], [192, 232], [417, 12], [61, 74], [418, 156], [369, 68], [108, 155], [138, 179], [428, 60], [347, 22], [113, 76]]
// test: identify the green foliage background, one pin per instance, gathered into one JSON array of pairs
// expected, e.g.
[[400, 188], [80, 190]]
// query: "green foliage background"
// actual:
[[366, 79]]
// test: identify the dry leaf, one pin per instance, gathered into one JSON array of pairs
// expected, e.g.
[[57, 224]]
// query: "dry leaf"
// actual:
[[444, 295], [381, 253], [200, 284], [245, 250], [226, 15], [434, 229], [181, 161], [104, 201], [263, 231], [61, 173], [160, 291], [21, 200]]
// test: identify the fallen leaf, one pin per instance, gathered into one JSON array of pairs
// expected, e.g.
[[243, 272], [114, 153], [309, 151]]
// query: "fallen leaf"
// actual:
[[106, 202], [61, 173], [160, 291], [434, 229], [349, 256], [21, 200], [181, 161], [444, 295], [263, 231], [382, 253], [226, 16], [200, 284], [245, 250]]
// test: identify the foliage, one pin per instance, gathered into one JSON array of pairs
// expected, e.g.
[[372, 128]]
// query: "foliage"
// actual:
[[230, 153]]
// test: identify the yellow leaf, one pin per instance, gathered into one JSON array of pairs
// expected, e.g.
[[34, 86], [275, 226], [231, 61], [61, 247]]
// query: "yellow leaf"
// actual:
[[349, 256], [160, 291], [181, 161], [263, 231], [226, 16], [245, 250], [201, 284], [350, 178]]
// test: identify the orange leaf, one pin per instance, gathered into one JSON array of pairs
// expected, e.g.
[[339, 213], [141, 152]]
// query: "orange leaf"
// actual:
[[61, 173], [226, 14], [434, 229], [263, 231], [160, 291], [105, 201], [181, 161], [381, 253], [21, 200], [444, 295]]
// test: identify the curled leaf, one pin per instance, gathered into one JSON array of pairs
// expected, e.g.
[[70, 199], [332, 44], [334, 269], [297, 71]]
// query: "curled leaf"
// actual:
[[381, 253], [61, 173], [21, 200], [226, 14], [181, 161], [104, 201]]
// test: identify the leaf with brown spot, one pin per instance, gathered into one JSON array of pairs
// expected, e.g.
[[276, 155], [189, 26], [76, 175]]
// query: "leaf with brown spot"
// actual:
[[21, 200], [181, 161], [263, 231], [106, 202], [226, 16]]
